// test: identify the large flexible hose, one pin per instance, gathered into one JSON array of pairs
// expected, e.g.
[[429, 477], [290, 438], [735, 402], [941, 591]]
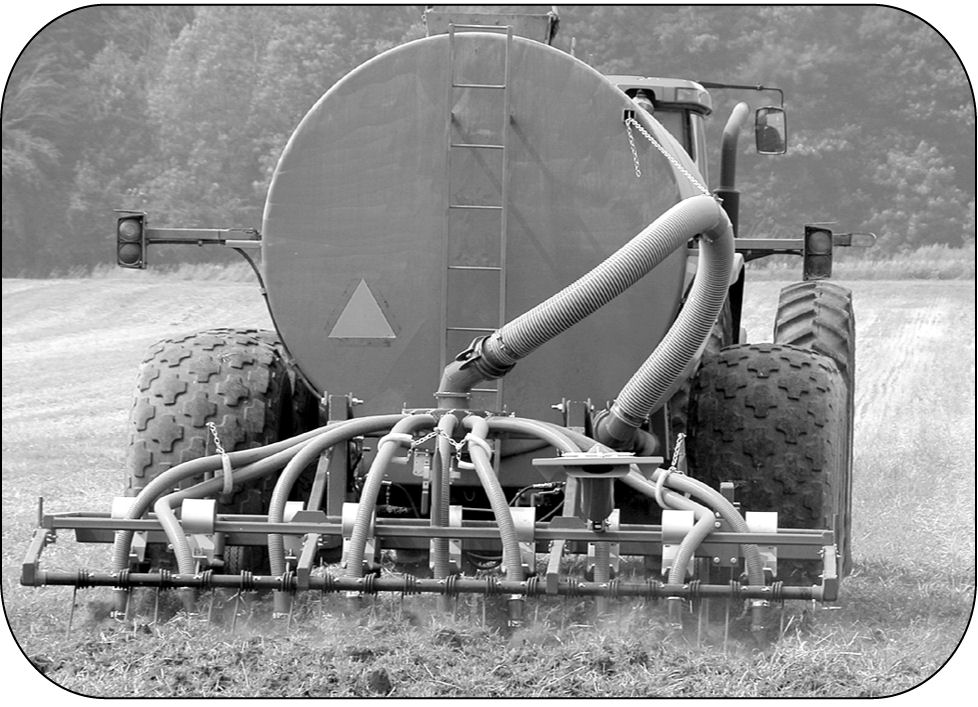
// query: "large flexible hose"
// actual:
[[293, 470], [648, 387], [710, 497], [255, 466], [478, 446], [546, 432], [399, 436], [248, 464], [496, 354]]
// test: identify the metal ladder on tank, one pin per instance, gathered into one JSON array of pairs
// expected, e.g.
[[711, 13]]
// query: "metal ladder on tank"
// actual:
[[459, 271]]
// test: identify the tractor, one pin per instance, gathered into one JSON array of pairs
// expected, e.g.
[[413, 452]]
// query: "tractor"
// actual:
[[507, 355]]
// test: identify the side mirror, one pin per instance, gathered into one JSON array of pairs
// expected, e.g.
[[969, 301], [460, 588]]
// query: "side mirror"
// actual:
[[770, 131]]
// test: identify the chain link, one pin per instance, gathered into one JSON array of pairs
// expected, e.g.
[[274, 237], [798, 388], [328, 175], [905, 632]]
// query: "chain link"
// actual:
[[458, 446], [629, 122], [225, 459], [217, 439]]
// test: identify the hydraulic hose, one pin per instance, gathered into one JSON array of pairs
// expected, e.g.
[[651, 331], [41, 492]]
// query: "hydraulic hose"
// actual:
[[400, 435], [494, 355]]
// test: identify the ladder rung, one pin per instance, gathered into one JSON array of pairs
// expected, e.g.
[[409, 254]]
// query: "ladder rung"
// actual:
[[502, 29], [496, 86], [492, 268], [482, 145], [475, 206]]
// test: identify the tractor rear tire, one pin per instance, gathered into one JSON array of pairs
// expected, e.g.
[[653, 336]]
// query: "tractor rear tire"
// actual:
[[236, 379], [772, 420], [818, 315]]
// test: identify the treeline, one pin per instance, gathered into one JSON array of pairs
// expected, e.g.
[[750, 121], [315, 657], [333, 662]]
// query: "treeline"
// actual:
[[183, 111]]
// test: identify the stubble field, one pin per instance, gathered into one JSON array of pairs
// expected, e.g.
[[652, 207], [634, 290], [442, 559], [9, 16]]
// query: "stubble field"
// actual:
[[70, 352]]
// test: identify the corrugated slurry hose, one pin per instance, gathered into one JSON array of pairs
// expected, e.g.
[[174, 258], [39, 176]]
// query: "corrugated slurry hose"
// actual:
[[494, 355]]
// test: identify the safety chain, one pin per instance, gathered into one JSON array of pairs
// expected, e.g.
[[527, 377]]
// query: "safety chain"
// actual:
[[457, 446], [629, 122], [225, 459], [678, 466]]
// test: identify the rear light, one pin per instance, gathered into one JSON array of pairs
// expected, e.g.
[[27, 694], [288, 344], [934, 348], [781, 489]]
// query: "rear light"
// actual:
[[131, 241], [818, 253]]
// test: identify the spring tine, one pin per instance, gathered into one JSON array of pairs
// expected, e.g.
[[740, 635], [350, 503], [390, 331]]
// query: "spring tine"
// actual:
[[234, 614], [71, 612], [210, 608], [156, 608], [288, 620], [726, 627], [699, 622]]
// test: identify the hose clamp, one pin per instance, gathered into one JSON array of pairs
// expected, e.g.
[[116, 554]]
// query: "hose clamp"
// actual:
[[228, 471], [479, 442], [491, 364], [400, 438]]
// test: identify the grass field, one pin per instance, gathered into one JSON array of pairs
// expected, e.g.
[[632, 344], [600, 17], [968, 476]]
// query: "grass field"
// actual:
[[70, 351]]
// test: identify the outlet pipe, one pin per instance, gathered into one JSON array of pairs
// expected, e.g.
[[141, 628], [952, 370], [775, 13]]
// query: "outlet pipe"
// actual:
[[248, 463], [647, 389], [708, 496], [494, 355], [479, 451], [440, 494], [399, 436], [298, 464], [294, 469]]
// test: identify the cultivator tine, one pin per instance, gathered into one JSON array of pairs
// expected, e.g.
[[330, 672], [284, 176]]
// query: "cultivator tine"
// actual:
[[237, 606], [700, 609], [726, 625], [71, 611]]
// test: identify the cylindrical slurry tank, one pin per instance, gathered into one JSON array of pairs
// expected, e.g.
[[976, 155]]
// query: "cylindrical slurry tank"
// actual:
[[408, 216]]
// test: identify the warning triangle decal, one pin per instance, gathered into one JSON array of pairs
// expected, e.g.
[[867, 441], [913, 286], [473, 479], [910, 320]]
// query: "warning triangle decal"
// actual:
[[362, 318]]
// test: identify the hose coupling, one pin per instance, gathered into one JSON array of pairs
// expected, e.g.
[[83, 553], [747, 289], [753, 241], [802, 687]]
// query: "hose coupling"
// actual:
[[490, 363]]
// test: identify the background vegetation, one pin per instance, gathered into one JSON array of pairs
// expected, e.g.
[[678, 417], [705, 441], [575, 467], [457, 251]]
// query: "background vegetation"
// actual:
[[183, 111]]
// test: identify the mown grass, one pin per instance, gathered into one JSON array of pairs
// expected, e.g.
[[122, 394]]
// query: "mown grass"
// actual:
[[70, 352]]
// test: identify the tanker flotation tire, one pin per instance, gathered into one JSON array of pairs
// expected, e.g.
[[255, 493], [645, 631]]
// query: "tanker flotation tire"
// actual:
[[818, 315], [234, 378], [772, 419], [721, 335]]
